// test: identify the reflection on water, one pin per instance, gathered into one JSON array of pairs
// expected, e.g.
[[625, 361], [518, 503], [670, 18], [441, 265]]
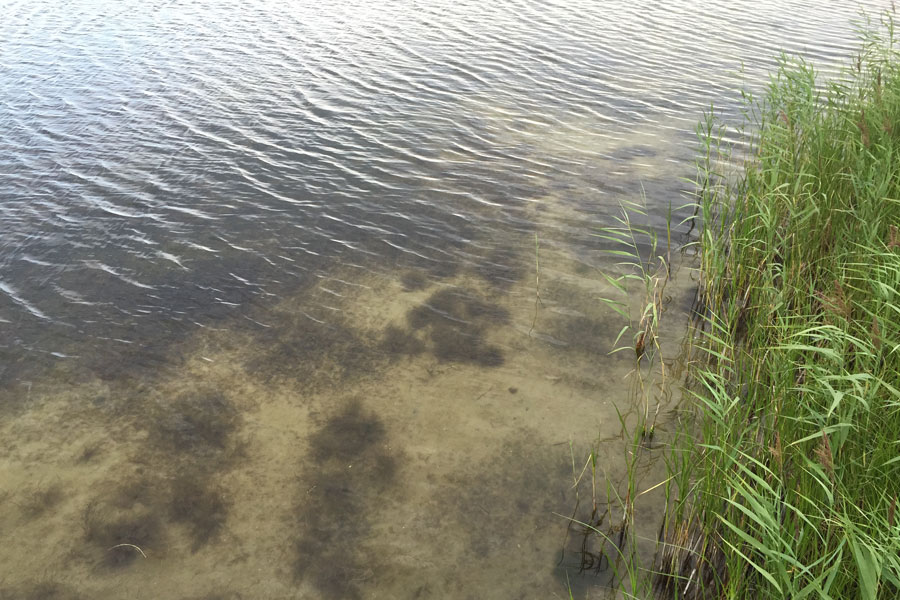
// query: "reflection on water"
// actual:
[[268, 282]]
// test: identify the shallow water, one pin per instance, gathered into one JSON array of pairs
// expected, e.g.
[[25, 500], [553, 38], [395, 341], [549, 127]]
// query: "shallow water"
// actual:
[[268, 282]]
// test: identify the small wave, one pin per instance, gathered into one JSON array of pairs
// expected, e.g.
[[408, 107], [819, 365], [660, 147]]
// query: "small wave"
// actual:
[[18, 299], [93, 264]]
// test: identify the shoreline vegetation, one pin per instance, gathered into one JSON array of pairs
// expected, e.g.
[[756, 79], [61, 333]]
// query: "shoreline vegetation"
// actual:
[[784, 475]]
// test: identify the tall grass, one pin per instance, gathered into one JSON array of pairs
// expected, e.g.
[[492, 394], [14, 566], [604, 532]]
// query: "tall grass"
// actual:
[[787, 483]]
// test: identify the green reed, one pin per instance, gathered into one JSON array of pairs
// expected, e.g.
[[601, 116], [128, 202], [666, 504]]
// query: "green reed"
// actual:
[[641, 274], [787, 483], [783, 480]]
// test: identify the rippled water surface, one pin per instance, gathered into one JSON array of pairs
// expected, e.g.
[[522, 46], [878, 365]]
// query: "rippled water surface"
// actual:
[[268, 277]]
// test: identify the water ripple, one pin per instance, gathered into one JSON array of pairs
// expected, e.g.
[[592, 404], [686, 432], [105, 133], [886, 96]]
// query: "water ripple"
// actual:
[[211, 155]]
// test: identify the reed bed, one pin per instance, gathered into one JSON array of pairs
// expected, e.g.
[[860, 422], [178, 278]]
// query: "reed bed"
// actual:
[[784, 475], [786, 482]]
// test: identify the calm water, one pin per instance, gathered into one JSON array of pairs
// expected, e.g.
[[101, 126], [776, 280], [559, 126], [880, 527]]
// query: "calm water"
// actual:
[[268, 325]]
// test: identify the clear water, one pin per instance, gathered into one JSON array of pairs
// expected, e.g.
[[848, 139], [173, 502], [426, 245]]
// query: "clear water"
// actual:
[[268, 322]]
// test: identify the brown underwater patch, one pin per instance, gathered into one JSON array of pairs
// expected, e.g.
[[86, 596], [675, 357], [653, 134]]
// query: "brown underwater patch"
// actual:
[[501, 268], [37, 500], [523, 481], [455, 322], [397, 342], [193, 426], [200, 505], [120, 530], [414, 280], [171, 492], [348, 466], [314, 354], [42, 590]]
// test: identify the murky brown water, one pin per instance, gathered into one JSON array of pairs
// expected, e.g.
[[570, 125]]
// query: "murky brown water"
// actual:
[[268, 275]]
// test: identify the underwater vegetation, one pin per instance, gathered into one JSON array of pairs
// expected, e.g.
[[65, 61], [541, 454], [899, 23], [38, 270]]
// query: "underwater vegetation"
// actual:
[[43, 590], [121, 529], [455, 323], [413, 280], [501, 268], [397, 342], [200, 505], [172, 491], [346, 469], [37, 500], [315, 354]]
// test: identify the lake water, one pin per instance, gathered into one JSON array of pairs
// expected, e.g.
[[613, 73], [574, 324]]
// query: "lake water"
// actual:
[[271, 320]]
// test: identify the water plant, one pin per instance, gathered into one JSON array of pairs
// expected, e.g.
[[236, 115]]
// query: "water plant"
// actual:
[[609, 541], [791, 485], [784, 480]]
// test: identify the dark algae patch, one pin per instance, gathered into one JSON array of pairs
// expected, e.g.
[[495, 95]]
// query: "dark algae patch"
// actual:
[[39, 499], [466, 345], [194, 425], [350, 434], [575, 319], [457, 305], [397, 342], [122, 529], [196, 502], [455, 323], [173, 491], [193, 436], [315, 352], [414, 280], [347, 467], [43, 590], [521, 481], [89, 452], [501, 268]]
